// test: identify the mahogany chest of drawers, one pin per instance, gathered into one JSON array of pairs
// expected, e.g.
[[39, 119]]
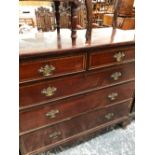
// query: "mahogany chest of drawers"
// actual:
[[67, 93]]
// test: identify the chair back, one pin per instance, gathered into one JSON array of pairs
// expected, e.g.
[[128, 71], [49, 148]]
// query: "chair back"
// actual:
[[44, 19]]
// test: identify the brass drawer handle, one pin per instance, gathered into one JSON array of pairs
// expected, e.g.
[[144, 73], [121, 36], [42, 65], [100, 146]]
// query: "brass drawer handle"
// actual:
[[55, 134], [119, 56], [109, 116], [52, 113], [49, 91], [47, 70], [116, 75], [112, 96]]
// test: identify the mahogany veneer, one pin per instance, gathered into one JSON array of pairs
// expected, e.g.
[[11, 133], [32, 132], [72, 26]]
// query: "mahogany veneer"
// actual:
[[70, 85], [44, 137], [67, 93], [36, 117], [108, 57], [70, 65]]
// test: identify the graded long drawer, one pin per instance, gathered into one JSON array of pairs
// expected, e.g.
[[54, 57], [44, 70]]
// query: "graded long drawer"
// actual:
[[47, 136], [110, 57], [51, 67], [54, 112], [40, 93]]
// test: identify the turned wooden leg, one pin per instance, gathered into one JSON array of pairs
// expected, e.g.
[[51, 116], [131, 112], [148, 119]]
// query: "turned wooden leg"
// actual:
[[89, 20], [116, 8], [57, 16], [73, 22]]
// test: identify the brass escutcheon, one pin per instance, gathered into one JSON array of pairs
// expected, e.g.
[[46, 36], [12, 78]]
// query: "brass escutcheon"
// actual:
[[52, 113], [116, 75], [49, 91], [47, 70], [112, 96], [55, 134], [109, 116], [119, 56]]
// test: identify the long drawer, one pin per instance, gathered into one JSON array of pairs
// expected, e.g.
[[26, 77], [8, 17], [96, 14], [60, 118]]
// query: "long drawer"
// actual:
[[51, 67], [42, 92], [54, 112], [47, 136], [110, 57]]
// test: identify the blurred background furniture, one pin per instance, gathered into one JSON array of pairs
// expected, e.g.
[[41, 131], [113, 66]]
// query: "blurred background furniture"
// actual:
[[102, 15], [28, 21], [104, 10], [123, 15], [44, 19], [101, 7]]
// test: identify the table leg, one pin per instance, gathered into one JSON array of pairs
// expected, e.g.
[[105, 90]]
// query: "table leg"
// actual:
[[89, 20], [73, 22], [57, 15], [116, 8]]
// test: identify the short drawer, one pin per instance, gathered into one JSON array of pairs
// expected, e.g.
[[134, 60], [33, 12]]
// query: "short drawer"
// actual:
[[50, 135], [110, 57], [50, 90], [58, 111], [51, 67]]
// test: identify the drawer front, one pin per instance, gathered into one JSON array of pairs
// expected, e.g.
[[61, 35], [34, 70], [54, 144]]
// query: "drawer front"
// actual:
[[52, 113], [41, 69], [54, 89], [110, 57], [50, 135]]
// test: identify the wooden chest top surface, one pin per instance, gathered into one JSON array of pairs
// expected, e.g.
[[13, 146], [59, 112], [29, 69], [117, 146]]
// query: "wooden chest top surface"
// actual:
[[30, 45]]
